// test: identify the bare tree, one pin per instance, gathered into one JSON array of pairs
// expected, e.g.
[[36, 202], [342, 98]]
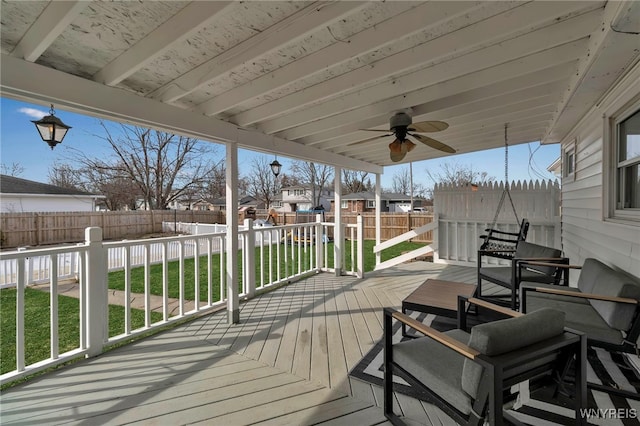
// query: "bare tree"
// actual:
[[355, 181], [65, 176], [13, 169], [119, 191], [316, 176], [458, 174], [401, 183], [163, 166], [261, 183]]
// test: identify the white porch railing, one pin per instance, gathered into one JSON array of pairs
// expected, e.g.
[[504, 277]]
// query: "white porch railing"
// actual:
[[405, 237], [195, 280]]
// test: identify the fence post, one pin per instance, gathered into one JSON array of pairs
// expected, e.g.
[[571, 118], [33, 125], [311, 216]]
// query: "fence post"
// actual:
[[95, 286], [320, 241], [249, 272], [360, 246]]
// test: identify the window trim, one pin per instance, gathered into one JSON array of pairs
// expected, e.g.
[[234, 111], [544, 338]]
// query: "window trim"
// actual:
[[371, 204], [569, 173], [611, 148], [344, 204]]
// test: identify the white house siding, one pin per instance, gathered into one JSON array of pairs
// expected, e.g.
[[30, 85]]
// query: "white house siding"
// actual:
[[586, 231], [10, 203]]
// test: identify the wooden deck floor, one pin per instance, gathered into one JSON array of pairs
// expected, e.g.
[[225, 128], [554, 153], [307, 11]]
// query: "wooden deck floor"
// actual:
[[287, 362]]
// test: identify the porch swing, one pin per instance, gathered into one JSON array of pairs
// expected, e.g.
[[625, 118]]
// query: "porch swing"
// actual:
[[499, 243]]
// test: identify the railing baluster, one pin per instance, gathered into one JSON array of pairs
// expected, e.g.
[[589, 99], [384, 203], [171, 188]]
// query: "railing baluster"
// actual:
[[165, 281], [147, 286], [196, 272], [126, 260], [209, 271], [181, 277], [53, 290], [20, 285]]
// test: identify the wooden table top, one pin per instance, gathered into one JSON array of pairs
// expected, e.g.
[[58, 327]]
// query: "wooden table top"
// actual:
[[440, 294]]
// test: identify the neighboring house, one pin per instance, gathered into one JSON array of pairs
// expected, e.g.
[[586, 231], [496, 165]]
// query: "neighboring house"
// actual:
[[601, 180], [19, 195], [300, 198], [360, 202]]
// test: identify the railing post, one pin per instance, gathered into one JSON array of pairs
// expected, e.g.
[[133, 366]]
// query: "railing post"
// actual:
[[95, 284], [434, 239], [360, 246], [249, 272], [319, 243]]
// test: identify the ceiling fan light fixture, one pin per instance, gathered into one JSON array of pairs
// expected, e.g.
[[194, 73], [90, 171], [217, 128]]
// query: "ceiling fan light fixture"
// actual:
[[409, 145]]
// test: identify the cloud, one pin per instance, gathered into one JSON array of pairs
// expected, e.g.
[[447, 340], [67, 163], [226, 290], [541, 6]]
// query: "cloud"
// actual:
[[32, 112]]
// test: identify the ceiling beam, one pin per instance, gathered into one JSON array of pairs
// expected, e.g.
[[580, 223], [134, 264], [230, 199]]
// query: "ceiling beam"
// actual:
[[610, 53], [50, 24], [497, 29], [460, 105], [552, 64], [290, 29], [31, 82], [181, 26], [383, 34]]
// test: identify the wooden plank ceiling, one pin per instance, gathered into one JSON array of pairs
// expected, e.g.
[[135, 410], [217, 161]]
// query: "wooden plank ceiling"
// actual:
[[304, 78]]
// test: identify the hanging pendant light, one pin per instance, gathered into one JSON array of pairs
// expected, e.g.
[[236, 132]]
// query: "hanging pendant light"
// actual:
[[275, 167], [52, 130]]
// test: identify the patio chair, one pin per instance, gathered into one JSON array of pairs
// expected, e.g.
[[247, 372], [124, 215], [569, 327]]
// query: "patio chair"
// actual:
[[468, 376], [510, 276], [605, 305]]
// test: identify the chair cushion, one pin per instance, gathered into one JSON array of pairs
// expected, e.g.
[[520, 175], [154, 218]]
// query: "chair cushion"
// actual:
[[579, 316], [498, 337], [503, 275], [436, 366], [615, 283], [590, 269], [527, 250]]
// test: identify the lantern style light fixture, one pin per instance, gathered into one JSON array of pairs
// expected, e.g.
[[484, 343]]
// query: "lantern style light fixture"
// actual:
[[52, 130], [275, 167]]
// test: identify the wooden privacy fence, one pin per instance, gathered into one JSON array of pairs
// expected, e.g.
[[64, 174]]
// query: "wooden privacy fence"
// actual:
[[464, 212], [33, 229]]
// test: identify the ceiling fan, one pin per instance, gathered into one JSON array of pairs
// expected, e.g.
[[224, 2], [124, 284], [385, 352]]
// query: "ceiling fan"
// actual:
[[401, 126]]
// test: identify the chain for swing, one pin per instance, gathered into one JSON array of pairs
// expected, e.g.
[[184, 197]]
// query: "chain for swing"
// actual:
[[506, 191]]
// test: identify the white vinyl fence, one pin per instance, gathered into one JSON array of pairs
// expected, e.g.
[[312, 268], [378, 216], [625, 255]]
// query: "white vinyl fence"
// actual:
[[465, 212]]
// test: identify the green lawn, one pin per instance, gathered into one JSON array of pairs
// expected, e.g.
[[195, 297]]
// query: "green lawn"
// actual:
[[37, 321], [37, 325]]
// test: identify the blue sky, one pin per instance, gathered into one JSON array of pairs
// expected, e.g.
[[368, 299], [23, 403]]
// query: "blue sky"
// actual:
[[20, 143]]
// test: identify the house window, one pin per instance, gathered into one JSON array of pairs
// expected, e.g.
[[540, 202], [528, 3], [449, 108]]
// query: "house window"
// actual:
[[569, 162], [344, 204], [298, 192], [277, 204], [371, 204], [626, 164]]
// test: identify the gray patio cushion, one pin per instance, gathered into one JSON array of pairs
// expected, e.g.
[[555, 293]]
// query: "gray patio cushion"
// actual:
[[527, 250], [579, 316], [503, 274], [590, 269], [498, 337], [615, 283], [437, 366]]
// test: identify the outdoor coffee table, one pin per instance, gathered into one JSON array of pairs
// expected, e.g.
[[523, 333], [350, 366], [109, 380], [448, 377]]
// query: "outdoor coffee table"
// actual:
[[437, 297]]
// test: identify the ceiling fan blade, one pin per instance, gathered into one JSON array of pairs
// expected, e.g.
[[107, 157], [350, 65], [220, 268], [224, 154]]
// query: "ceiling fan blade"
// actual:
[[434, 143], [370, 139], [397, 150], [429, 126], [407, 145]]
